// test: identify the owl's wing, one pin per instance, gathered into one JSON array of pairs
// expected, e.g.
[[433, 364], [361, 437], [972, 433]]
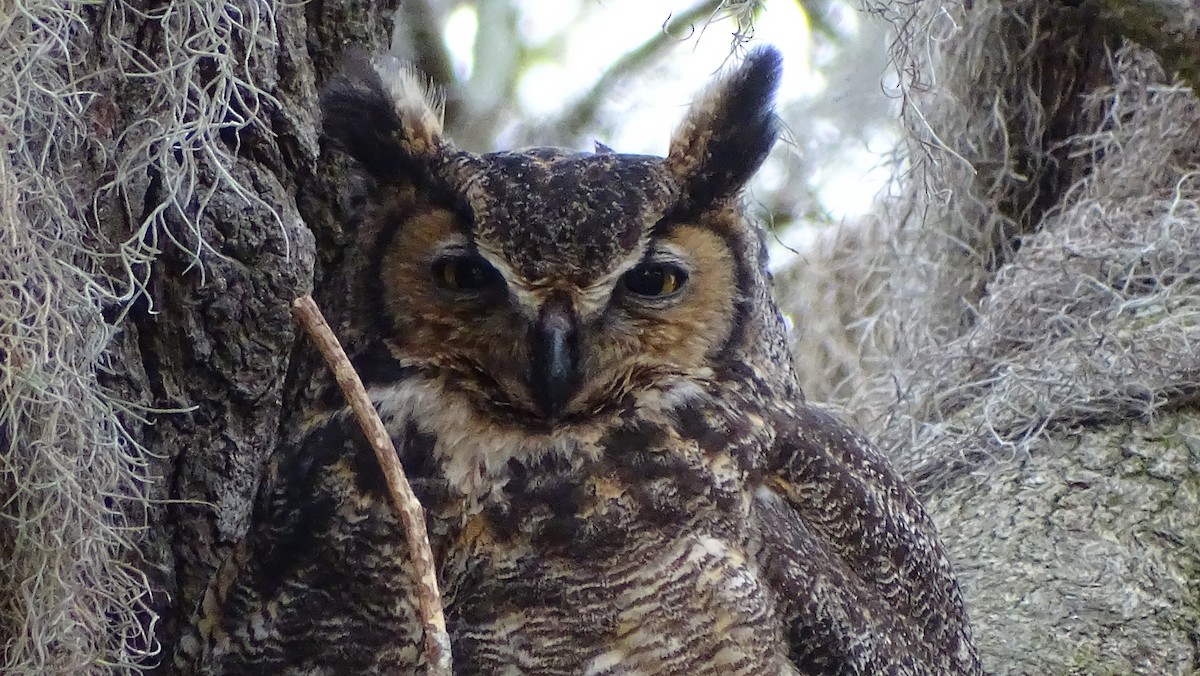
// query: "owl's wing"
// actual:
[[862, 577], [321, 582]]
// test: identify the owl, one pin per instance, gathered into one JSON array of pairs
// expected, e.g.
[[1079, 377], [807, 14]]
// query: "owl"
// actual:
[[579, 360]]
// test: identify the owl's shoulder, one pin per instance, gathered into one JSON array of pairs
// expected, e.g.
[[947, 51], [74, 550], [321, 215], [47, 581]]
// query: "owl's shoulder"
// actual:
[[842, 521]]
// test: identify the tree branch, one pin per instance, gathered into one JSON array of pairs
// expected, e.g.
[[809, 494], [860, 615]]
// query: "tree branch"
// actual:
[[1171, 28], [583, 112], [412, 515]]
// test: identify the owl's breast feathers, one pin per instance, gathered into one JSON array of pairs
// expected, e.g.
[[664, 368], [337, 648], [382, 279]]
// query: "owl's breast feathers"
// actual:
[[678, 536]]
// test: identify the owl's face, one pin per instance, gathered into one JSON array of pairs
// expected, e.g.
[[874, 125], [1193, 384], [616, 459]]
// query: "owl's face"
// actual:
[[547, 286]]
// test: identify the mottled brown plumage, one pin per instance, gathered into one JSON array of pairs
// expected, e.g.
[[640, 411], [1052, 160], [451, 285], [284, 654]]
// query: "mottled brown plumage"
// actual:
[[586, 377]]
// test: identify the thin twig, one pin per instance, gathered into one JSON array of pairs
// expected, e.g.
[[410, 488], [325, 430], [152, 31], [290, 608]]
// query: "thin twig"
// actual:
[[576, 118], [429, 599]]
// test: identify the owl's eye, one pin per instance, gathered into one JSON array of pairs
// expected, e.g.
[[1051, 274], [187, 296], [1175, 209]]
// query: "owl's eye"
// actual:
[[464, 274], [655, 280]]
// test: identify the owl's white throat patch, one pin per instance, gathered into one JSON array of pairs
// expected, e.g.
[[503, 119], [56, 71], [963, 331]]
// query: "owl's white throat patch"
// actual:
[[474, 450]]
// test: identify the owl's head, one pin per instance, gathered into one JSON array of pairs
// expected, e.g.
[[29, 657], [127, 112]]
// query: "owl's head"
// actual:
[[548, 286]]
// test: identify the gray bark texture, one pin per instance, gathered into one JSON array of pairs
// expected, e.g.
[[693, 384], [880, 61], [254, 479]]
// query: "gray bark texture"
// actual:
[[221, 339], [1032, 354], [167, 157]]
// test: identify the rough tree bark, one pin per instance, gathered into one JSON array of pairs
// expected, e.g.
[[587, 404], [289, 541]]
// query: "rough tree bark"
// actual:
[[213, 334]]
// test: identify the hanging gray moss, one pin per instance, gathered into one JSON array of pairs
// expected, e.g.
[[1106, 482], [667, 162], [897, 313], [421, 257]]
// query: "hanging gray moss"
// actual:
[[1028, 340], [128, 200]]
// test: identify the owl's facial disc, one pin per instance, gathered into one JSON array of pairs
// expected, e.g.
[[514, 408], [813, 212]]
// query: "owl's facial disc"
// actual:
[[556, 309], [552, 349]]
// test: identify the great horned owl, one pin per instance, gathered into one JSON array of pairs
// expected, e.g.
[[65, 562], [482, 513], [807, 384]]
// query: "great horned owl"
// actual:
[[585, 375]]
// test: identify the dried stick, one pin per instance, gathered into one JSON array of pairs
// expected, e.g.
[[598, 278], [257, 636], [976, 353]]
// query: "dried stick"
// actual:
[[429, 599]]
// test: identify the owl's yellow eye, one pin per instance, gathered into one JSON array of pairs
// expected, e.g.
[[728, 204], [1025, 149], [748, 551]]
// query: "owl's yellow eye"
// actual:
[[465, 274], [655, 280]]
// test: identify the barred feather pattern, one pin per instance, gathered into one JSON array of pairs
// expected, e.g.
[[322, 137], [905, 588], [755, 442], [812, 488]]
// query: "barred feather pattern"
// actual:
[[669, 544]]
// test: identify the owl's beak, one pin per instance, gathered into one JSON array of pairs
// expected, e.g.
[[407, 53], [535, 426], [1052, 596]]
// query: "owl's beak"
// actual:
[[553, 371]]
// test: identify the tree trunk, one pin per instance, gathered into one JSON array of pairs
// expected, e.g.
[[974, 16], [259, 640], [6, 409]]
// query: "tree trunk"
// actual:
[[196, 127], [221, 341]]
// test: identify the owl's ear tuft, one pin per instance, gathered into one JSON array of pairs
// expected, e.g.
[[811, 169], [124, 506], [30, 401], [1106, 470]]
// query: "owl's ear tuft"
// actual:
[[384, 114], [728, 131]]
